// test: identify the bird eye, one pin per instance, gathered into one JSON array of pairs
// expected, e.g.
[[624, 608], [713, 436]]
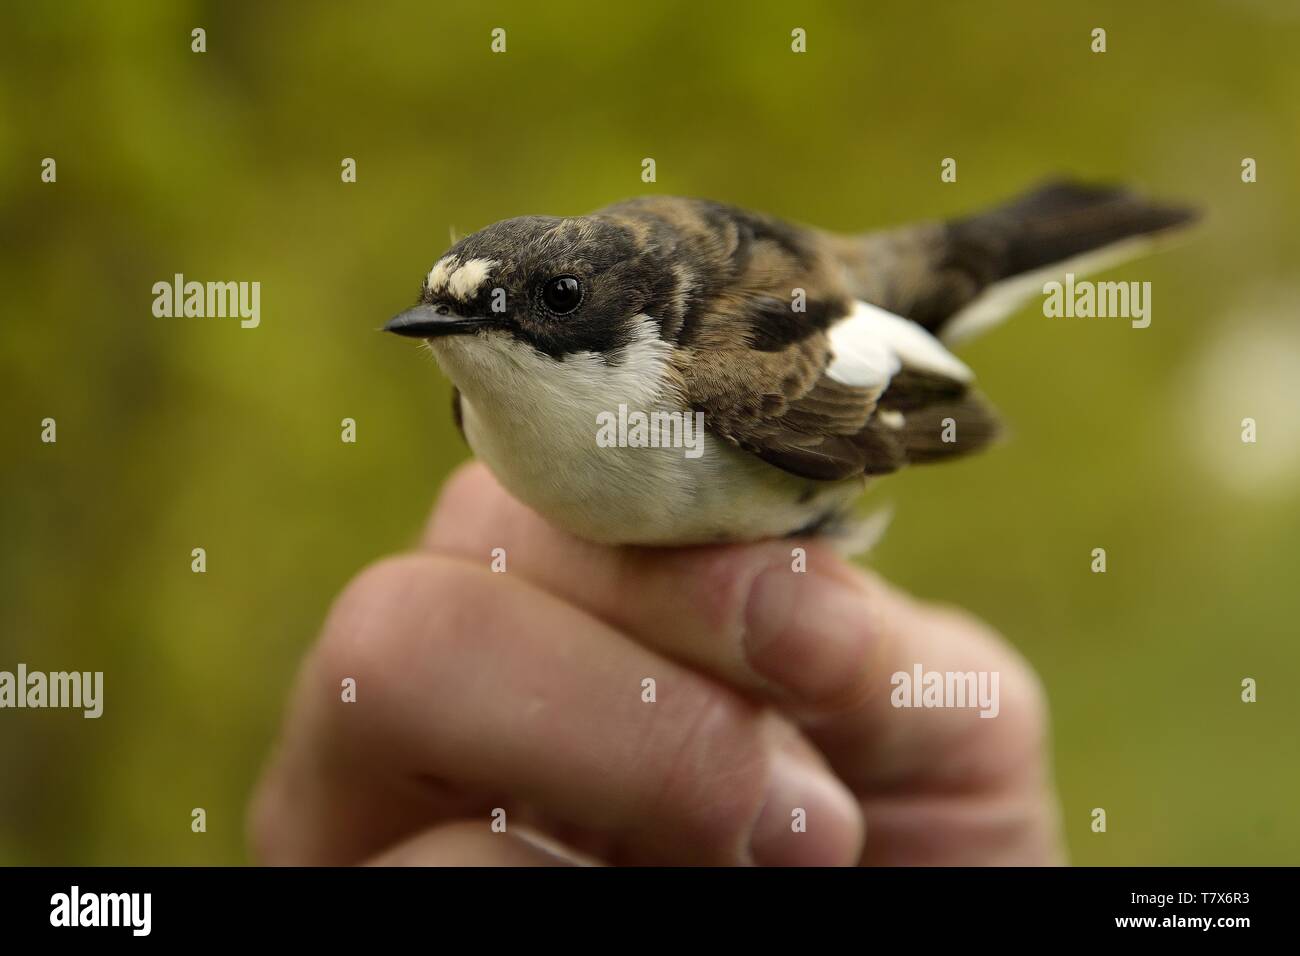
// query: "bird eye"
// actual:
[[562, 294]]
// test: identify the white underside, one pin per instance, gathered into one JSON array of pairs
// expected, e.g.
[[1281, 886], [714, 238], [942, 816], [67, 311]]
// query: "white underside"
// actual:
[[535, 426]]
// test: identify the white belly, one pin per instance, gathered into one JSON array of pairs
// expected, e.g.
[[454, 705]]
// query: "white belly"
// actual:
[[537, 430], [625, 495]]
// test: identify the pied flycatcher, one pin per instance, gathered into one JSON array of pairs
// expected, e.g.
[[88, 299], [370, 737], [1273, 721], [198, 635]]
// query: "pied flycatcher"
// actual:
[[816, 359]]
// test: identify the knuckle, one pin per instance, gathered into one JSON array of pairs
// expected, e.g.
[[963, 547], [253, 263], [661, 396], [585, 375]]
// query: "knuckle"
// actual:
[[1023, 722], [461, 504], [722, 577], [464, 486], [721, 580], [360, 620], [715, 774], [390, 608]]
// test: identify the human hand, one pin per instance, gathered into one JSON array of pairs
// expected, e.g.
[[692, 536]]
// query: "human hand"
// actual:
[[523, 691]]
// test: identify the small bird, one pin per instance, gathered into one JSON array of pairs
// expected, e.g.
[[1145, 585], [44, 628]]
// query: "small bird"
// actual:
[[816, 359]]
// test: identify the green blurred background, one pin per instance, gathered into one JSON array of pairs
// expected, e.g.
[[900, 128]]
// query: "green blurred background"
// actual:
[[183, 433]]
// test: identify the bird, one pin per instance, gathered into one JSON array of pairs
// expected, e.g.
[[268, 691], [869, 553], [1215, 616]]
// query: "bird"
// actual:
[[816, 361]]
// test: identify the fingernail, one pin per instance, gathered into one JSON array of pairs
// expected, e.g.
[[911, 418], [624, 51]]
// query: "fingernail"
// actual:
[[808, 818], [807, 634]]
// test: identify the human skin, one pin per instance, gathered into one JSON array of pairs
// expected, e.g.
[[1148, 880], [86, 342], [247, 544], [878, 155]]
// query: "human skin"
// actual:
[[523, 691]]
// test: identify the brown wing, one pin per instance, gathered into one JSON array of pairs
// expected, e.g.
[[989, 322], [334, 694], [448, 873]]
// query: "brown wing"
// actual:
[[754, 300], [782, 407], [811, 425], [758, 368]]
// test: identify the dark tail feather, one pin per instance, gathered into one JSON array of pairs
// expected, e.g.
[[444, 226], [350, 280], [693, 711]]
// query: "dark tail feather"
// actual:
[[948, 429], [1056, 222], [1052, 225], [923, 418]]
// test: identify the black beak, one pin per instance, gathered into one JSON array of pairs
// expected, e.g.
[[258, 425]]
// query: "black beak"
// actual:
[[431, 321]]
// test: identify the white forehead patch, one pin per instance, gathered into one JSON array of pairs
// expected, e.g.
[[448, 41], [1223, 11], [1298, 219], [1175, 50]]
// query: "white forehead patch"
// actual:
[[464, 282], [440, 273]]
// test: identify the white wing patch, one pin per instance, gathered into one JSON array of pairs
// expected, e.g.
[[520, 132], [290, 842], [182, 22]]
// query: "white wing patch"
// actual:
[[891, 418], [870, 345]]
